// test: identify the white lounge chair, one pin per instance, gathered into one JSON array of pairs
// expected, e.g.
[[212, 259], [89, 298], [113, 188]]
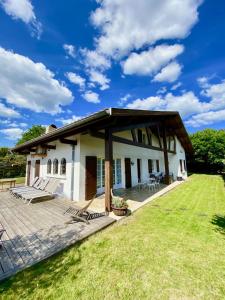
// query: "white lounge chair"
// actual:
[[49, 193]]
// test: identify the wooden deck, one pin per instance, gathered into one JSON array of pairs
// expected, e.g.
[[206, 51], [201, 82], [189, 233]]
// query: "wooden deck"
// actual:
[[37, 231]]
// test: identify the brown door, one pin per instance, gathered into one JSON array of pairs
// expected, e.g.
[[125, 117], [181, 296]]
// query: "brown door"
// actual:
[[37, 168], [127, 173], [91, 177], [28, 172], [139, 169], [149, 166], [157, 166]]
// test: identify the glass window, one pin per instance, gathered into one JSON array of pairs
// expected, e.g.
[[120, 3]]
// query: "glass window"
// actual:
[[49, 166], [55, 166], [118, 171], [63, 166], [99, 173]]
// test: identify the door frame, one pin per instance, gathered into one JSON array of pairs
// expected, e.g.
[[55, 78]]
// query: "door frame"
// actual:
[[37, 170], [28, 172]]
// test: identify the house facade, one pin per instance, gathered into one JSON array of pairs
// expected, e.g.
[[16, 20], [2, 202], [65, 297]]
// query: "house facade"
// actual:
[[114, 148]]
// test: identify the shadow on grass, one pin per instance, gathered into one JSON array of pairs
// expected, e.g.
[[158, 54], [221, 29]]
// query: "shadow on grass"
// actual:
[[219, 222], [46, 273]]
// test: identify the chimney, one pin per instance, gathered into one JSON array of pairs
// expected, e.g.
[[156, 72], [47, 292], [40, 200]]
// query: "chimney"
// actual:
[[50, 128]]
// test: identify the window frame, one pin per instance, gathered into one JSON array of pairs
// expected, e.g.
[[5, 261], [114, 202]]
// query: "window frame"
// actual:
[[49, 165], [55, 164], [63, 165]]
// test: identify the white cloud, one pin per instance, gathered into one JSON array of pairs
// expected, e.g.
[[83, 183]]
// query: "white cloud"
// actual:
[[187, 104], [216, 92], [203, 82], [93, 59], [99, 78], [69, 49], [148, 62], [92, 97], [130, 24], [76, 79], [7, 112], [176, 86], [70, 120], [162, 90], [24, 11], [14, 124], [12, 133], [206, 118], [124, 99], [169, 73], [31, 85]]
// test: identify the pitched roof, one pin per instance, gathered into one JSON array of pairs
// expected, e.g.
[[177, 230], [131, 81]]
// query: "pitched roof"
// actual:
[[112, 117]]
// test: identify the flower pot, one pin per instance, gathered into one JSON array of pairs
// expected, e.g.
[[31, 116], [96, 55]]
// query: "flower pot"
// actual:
[[122, 211]]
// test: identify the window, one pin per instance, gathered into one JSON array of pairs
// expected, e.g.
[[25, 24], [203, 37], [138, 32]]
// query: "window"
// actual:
[[55, 166], [181, 165], [117, 177], [118, 171], [157, 166], [49, 166], [63, 167], [185, 166], [100, 173]]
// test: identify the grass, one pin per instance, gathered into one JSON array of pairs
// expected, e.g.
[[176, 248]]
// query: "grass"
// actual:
[[173, 248], [20, 180]]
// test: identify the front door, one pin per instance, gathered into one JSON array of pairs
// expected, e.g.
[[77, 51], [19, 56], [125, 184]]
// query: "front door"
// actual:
[[28, 172], [127, 173], [91, 177], [37, 168]]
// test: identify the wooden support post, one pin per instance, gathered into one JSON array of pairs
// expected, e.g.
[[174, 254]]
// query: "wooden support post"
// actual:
[[108, 169], [166, 160]]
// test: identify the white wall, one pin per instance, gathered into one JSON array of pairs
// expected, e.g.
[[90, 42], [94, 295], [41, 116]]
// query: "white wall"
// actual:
[[90, 146], [61, 151]]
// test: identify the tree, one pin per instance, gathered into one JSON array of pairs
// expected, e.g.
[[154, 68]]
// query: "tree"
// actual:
[[209, 149], [33, 132], [3, 151]]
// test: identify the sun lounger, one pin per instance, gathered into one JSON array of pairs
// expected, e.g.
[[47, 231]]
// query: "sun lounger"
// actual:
[[35, 186], [82, 213], [49, 193], [41, 188], [24, 186]]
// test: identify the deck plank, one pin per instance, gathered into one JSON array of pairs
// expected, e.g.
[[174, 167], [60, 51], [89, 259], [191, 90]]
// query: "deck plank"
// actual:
[[35, 232]]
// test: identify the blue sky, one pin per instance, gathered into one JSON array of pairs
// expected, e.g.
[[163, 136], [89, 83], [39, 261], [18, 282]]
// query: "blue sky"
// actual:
[[62, 60]]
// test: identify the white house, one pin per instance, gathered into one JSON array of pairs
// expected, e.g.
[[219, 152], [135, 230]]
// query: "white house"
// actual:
[[112, 148]]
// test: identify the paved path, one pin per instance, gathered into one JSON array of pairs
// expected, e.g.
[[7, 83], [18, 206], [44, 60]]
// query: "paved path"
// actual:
[[37, 231]]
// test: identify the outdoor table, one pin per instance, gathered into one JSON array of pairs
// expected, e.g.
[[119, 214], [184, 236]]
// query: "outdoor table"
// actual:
[[11, 182]]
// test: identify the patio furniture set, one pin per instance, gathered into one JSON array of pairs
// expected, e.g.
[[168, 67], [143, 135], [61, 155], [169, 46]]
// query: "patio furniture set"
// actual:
[[153, 182]]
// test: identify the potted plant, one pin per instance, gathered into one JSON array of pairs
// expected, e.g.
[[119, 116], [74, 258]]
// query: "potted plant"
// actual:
[[119, 206]]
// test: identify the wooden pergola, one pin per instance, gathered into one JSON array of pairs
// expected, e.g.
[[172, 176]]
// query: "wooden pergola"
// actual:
[[107, 123]]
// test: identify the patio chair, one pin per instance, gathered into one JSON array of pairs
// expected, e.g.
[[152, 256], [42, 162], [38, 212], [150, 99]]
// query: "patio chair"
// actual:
[[20, 188], [35, 186], [82, 213], [2, 230], [48, 193], [40, 188]]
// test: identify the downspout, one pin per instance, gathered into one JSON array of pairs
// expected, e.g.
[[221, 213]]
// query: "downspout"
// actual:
[[72, 172]]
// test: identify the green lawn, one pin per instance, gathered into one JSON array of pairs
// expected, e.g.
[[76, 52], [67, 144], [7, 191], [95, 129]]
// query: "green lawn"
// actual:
[[173, 248], [20, 180]]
